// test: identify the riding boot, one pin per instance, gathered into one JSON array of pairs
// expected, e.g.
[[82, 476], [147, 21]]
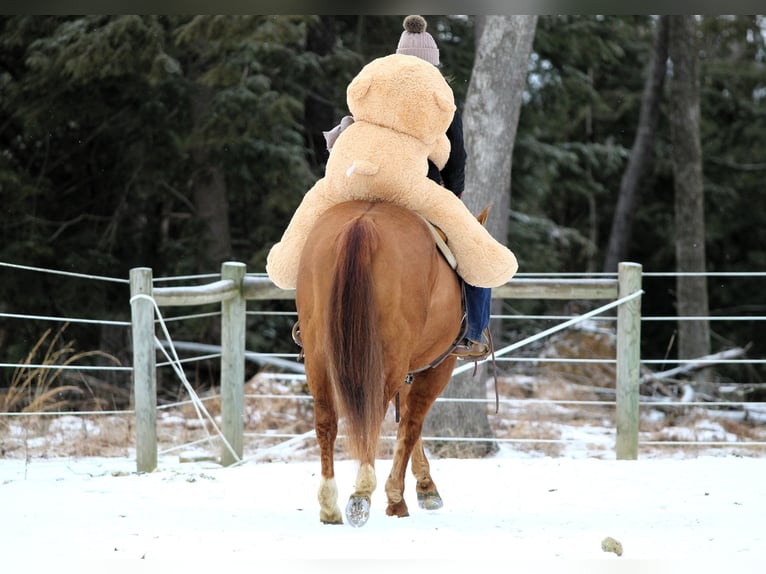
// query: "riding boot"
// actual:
[[470, 350]]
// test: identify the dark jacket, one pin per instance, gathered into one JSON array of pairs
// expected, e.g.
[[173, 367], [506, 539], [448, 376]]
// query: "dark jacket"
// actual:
[[453, 174]]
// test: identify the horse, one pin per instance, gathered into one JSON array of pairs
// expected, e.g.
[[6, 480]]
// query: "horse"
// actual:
[[376, 302]]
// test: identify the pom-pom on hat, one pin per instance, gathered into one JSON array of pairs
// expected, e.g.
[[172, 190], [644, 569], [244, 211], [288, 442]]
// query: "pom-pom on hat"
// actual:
[[415, 41]]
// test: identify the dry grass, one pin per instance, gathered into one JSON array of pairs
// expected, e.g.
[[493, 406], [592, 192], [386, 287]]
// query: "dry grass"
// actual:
[[43, 436], [581, 344], [36, 388]]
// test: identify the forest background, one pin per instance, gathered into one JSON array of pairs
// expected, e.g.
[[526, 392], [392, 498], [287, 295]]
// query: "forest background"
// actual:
[[179, 142]]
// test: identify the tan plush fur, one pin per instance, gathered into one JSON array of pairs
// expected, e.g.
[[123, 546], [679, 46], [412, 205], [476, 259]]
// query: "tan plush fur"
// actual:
[[402, 107]]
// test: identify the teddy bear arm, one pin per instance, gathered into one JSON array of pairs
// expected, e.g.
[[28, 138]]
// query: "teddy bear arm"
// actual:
[[482, 260]]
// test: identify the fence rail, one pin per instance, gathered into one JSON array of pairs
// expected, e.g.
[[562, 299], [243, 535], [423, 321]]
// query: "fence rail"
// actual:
[[235, 288]]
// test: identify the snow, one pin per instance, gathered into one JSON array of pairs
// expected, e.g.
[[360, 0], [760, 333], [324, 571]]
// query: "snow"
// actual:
[[530, 506], [511, 508]]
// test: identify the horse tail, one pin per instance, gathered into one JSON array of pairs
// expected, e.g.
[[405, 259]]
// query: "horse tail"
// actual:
[[355, 351]]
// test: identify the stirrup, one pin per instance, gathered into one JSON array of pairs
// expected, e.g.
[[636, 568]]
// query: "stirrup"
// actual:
[[298, 341], [472, 351], [468, 350], [297, 334]]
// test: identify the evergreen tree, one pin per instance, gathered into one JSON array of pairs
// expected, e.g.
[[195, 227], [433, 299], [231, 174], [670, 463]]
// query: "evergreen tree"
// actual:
[[575, 130], [101, 147], [574, 136], [689, 211]]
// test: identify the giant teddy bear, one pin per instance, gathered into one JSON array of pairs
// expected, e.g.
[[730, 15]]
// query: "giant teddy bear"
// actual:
[[402, 107]]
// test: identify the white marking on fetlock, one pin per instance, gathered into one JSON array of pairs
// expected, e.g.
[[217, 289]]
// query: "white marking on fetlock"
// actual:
[[365, 480], [328, 501]]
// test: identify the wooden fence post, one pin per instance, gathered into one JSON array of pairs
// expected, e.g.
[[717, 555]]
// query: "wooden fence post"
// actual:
[[144, 368], [628, 362], [233, 364]]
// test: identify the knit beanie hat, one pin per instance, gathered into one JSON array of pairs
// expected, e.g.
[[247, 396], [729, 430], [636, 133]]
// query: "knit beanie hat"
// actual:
[[415, 41]]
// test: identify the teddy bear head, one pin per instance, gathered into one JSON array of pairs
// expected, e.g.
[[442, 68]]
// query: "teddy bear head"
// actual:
[[405, 94]]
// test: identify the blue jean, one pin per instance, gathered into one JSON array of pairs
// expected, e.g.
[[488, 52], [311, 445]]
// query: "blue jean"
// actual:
[[477, 303]]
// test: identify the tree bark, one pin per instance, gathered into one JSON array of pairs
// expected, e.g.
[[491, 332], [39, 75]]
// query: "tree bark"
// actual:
[[491, 115], [691, 296], [209, 195], [493, 105], [641, 155]]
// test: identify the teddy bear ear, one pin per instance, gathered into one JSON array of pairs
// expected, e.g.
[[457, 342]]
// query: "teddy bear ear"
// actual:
[[359, 87], [444, 103]]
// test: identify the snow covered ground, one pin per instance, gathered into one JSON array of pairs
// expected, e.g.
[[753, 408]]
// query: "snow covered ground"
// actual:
[[513, 508], [70, 496]]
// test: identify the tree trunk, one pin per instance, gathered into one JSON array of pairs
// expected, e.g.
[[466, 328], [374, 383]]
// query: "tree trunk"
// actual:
[[491, 114], [318, 109], [209, 196], [642, 153], [691, 296]]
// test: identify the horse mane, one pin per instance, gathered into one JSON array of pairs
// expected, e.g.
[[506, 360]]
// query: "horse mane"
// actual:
[[354, 349]]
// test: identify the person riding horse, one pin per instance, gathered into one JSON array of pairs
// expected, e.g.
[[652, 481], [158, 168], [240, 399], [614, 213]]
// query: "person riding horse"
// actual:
[[378, 304], [416, 41]]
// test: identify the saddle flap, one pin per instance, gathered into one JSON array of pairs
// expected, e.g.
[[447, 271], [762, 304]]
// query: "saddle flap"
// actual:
[[441, 242]]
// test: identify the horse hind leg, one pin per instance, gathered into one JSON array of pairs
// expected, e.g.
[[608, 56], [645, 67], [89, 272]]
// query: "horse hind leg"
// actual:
[[326, 426], [358, 507], [428, 495], [422, 393], [395, 482], [329, 513]]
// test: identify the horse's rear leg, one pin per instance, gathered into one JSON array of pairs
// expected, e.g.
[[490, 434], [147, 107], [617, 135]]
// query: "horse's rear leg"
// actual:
[[395, 482], [358, 507], [326, 425], [422, 393], [428, 496]]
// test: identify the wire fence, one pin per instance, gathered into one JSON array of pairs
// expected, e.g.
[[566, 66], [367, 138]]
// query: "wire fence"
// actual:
[[283, 372]]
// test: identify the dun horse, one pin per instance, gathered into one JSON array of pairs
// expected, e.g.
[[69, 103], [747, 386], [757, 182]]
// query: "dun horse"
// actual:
[[376, 301]]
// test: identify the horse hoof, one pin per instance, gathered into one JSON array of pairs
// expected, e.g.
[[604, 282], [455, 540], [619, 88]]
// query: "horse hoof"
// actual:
[[339, 521], [331, 518], [358, 510], [430, 500]]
